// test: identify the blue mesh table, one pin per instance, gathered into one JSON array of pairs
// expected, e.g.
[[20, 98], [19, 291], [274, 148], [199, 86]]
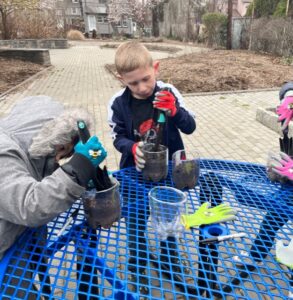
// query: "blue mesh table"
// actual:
[[94, 264]]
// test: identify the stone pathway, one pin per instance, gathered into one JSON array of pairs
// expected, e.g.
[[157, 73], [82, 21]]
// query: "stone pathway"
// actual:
[[226, 126]]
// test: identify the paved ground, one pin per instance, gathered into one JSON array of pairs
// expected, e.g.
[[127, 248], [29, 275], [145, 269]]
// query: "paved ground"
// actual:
[[226, 126]]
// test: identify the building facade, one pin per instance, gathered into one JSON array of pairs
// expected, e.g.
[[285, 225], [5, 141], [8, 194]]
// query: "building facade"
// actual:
[[90, 15], [239, 7], [69, 14]]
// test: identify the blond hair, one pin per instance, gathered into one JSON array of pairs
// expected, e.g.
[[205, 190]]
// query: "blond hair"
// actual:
[[131, 56]]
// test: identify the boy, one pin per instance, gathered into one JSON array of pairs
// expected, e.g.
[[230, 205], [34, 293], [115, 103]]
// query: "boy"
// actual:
[[132, 116]]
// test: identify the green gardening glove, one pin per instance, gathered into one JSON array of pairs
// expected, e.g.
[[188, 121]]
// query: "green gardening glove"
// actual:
[[205, 215]]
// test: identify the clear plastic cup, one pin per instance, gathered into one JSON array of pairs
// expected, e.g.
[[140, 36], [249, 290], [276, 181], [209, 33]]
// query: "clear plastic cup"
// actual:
[[102, 208], [185, 169], [156, 162], [167, 205]]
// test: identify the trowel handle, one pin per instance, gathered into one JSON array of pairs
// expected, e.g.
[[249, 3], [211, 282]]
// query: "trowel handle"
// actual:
[[83, 131]]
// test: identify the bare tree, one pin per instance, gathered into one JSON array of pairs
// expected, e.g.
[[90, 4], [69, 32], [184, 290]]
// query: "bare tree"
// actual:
[[137, 10], [155, 6], [117, 11], [193, 9], [9, 7], [229, 25], [37, 23]]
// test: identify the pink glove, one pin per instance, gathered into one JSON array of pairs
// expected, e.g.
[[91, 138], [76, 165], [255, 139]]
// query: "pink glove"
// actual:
[[165, 101], [138, 156], [285, 111], [284, 166]]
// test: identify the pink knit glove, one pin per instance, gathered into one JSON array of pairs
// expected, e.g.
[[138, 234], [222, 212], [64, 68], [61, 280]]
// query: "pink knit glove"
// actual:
[[284, 166], [285, 111]]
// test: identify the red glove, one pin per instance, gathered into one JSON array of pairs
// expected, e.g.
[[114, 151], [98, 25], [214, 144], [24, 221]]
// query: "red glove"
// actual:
[[165, 101], [138, 156]]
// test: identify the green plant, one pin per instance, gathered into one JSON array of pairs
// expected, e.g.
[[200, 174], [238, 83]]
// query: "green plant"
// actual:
[[287, 60], [281, 9], [215, 28], [262, 8]]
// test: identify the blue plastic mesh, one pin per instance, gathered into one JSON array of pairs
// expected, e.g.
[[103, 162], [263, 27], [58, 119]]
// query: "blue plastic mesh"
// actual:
[[128, 260]]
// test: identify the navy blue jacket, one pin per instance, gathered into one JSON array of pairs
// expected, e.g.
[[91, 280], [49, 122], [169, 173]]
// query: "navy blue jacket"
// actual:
[[120, 121]]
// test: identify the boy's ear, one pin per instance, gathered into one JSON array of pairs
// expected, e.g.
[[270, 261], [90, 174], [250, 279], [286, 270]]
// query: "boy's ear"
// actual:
[[118, 76], [156, 66]]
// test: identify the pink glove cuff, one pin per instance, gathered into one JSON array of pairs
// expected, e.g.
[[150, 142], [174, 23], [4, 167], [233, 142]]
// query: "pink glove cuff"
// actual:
[[285, 111]]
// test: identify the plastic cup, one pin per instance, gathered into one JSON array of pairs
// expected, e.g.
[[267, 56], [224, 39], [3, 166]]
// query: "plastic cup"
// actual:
[[102, 208], [167, 205], [185, 169], [156, 162]]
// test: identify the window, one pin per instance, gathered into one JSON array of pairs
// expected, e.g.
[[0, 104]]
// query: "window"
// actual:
[[122, 23], [102, 19], [75, 1], [75, 11], [103, 1]]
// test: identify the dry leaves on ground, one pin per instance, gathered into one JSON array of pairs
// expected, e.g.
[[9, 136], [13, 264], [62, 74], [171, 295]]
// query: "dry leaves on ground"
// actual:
[[223, 70], [14, 71]]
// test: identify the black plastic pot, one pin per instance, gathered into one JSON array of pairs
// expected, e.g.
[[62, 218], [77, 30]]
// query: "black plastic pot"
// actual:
[[156, 166], [102, 208], [185, 172]]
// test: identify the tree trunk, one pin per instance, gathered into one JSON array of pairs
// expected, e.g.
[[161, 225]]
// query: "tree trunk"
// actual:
[[155, 21], [5, 34], [115, 32], [188, 29], [229, 25]]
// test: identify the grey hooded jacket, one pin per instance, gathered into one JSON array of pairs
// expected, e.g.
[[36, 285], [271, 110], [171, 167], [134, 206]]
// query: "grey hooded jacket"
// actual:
[[27, 199]]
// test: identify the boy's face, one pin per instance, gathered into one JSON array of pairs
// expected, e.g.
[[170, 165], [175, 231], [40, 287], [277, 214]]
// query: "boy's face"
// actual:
[[141, 81]]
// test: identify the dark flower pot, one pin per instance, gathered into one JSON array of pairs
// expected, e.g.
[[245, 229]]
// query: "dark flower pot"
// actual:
[[102, 208], [185, 172], [156, 166]]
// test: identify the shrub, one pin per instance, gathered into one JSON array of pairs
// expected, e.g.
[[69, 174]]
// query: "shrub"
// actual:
[[215, 28], [33, 24], [273, 35], [75, 35]]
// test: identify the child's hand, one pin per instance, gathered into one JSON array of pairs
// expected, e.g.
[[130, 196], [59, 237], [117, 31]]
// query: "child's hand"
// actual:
[[284, 166], [138, 156], [285, 111], [165, 101]]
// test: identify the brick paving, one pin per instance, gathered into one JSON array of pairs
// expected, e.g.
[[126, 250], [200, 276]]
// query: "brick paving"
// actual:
[[226, 125]]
